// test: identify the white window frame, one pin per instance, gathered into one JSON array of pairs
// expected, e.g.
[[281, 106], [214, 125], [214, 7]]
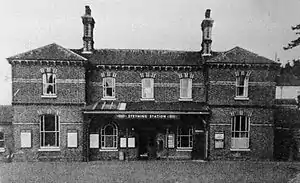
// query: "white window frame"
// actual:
[[245, 86], [104, 136], [151, 88], [240, 138], [188, 89], [46, 84], [180, 134], [3, 141], [113, 87], [43, 131]]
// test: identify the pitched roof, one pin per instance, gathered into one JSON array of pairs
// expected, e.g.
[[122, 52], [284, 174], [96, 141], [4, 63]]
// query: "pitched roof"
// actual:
[[239, 55], [143, 57], [5, 114], [49, 52]]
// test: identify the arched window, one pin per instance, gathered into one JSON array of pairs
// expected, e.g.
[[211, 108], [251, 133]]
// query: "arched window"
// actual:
[[49, 82], [49, 130], [109, 136]]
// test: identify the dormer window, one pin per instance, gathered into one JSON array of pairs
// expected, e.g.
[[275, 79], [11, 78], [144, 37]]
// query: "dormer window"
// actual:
[[109, 85], [49, 82], [185, 86], [242, 79]]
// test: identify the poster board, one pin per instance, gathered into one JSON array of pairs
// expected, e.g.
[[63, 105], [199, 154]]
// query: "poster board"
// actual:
[[94, 140], [131, 142], [25, 139], [219, 140], [72, 139], [122, 142], [171, 140]]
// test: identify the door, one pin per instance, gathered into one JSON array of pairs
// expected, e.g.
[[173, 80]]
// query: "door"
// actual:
[[147, 144], [199, 146]]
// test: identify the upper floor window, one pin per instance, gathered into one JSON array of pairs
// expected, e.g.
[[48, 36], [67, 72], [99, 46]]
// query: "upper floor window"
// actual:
[[108, 87], [240, 132], [242, 79], [49, 131], [147, 88], [49, 82], [186, 86], [185, 137], [109, 136], [147, 85]]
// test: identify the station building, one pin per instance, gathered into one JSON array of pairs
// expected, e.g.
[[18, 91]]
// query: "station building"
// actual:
[[101, 104]]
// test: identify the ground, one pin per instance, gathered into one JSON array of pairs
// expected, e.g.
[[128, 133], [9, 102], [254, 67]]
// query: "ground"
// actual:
[[149, 171]]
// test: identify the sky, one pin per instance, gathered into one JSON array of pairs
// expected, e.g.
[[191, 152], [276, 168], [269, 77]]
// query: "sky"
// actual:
[[260, 26]]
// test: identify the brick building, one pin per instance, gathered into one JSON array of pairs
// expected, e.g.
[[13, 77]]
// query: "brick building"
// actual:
[[96, 104]]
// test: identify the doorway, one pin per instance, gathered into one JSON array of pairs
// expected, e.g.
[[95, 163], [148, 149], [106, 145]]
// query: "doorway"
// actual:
[[199, 146], [147, 144]]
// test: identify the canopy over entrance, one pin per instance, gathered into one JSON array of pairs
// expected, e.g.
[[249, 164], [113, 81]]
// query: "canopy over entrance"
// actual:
[[151, 107]]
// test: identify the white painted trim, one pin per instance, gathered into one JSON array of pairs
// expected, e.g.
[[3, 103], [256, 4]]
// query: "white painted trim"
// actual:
[[241, 98], [185, 99], [142, 112], [25, 123], [219, 124], [49, 149], [184, 149], [253, 124], [147, 99], [108, 150], [109, 99], [49, 96], [240, 149]]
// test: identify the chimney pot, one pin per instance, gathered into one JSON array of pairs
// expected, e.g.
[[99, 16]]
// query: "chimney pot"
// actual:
[[87, 10], [207, 13]]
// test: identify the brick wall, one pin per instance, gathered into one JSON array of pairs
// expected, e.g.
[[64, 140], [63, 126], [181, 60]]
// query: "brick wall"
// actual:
[[129, 87]]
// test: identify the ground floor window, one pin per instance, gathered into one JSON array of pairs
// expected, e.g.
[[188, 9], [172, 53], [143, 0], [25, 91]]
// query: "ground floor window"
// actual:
[[49, 131], [240, 132], [109, 136], [185, 137], [1, 139]]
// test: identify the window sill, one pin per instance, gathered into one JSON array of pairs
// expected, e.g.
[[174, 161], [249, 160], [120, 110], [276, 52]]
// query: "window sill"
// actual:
[[147, 99], [49, 96], [184, 149], [108, 150], [186, 99], [109, 98], [49, 149], [2, 149], [241, 98], [240, 149]]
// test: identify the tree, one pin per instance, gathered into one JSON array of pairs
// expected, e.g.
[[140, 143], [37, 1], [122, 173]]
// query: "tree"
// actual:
[[295, 42]]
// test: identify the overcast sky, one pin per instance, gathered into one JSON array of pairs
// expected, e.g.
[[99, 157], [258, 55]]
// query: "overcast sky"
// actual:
[[261, 26]]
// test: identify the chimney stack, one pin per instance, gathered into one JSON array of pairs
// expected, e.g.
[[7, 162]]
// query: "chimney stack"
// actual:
[[206, 27], [88, 29]]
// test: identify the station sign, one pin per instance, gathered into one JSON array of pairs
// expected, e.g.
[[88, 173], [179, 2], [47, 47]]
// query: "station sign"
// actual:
[[147, 116]]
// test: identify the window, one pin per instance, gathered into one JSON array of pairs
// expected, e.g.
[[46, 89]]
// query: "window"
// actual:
[[184, 138], [147, 88], [185, 88], [49, 83], [109, 136], [1, 140], [242, 79], [49, 129], [108, 87], [240, 132]]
